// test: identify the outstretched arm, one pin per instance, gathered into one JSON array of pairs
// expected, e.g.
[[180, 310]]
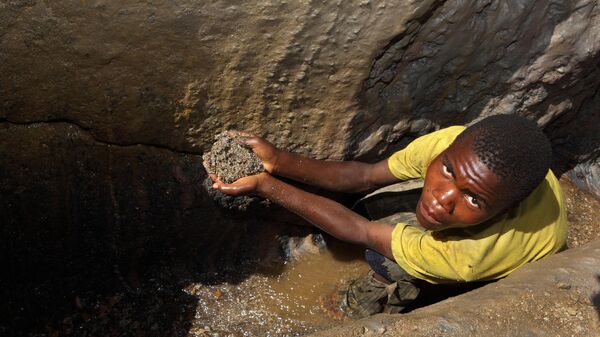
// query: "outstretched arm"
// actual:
[[340, 176], [324, 213]]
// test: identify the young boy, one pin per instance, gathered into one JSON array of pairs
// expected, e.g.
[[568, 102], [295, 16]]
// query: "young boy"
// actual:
[[489, 205]]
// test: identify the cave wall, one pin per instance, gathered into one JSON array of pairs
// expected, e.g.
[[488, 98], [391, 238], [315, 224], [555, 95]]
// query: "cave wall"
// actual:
[[477, 58], [353, 79], [174, 73], [106, 108]]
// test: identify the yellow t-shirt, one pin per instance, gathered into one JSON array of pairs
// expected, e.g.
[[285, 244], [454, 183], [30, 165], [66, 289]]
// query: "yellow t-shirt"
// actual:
[[488, 251]]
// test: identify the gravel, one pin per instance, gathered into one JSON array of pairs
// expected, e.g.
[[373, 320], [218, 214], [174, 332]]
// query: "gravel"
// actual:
[[229, 160]]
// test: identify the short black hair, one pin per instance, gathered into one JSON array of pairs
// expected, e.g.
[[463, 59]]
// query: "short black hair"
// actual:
[[515, 149]]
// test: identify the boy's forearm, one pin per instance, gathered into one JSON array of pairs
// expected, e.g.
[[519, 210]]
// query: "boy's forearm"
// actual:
[[340, 176], [328, 215]]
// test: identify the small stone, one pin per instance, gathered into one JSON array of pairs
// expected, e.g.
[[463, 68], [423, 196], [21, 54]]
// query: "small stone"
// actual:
[[563, 285]]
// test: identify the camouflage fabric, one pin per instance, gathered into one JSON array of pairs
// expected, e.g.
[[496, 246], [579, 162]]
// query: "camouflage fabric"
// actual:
[[367, 296]]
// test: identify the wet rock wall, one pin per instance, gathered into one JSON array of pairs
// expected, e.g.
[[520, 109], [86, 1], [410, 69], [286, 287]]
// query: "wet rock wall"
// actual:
[[106, 108], [85, 220], [172, 74], [471, 59]]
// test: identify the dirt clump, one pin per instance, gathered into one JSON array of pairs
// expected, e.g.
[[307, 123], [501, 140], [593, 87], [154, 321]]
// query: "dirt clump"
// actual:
[[230, 160]]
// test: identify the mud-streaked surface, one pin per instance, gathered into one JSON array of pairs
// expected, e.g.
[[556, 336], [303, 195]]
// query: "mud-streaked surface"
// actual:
[[278, 299], [280, 304]]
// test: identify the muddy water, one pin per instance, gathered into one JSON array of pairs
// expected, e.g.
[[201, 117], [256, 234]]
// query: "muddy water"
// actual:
[[276, 303]]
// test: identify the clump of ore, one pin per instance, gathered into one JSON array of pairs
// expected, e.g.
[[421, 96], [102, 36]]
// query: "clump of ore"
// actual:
[[229, 160]]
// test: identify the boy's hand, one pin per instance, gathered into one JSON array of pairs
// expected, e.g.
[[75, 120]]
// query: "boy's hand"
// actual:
[[267, 153], [243, 186]]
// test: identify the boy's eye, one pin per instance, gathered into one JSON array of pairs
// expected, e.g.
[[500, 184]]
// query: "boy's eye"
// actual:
[[472, 201], [446, 170]]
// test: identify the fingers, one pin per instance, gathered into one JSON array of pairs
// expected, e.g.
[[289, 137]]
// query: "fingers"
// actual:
[[242, 186], [244, 138], [233, 189], [236, 133], [250, 140], [218, 184], [216, 181], [244, 134], [230, 189], [214, 178]]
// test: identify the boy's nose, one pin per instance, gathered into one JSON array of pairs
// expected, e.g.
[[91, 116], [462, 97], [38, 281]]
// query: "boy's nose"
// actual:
[[446, 197]]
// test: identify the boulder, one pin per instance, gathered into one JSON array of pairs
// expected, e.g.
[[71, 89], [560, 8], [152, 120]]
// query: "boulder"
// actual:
[[557, 296]]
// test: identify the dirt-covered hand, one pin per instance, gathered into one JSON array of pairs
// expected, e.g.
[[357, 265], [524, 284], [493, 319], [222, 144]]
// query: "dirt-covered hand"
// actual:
[[243, 186], [266, 151]]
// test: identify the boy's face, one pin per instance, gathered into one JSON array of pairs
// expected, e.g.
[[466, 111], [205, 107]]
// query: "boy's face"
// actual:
[[459, 190]]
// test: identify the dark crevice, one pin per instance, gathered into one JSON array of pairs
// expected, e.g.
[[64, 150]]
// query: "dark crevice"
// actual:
[[89, 132], [420, 21], [561, 130], [412, 28], [379, 68]]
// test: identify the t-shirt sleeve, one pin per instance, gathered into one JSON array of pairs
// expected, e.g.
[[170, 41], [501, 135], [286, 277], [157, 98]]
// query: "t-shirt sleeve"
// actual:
[[491, 250], [424, 257], [412, 161]]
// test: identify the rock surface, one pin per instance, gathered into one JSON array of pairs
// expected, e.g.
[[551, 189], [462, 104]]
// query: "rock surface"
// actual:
[[558, 296], [587, 176], [106, 108], [470, 59], [341, 79]]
